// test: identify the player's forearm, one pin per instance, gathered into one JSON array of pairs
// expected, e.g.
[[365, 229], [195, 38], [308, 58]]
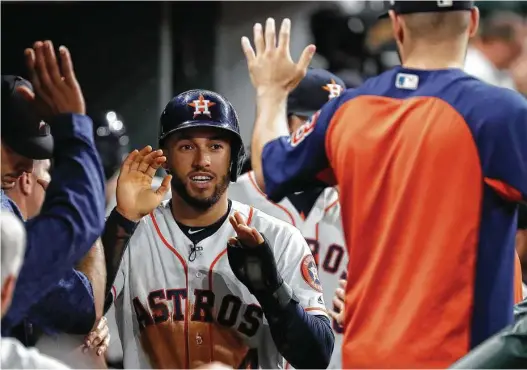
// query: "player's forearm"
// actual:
[[271, 123], [117, 233], [93, 266], [312, 337]]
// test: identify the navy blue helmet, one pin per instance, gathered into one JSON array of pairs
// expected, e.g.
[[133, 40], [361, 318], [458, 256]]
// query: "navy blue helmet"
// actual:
[[203, 108]]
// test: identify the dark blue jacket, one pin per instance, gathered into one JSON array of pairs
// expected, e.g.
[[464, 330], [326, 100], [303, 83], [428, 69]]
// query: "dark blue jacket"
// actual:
[[49, 292]]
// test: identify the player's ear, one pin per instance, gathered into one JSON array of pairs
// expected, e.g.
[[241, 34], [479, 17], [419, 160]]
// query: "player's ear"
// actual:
[[397, 26], [26, 183], [474, 22]]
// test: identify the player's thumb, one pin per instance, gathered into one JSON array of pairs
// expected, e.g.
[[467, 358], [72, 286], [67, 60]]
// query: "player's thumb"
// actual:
[[165, 186]]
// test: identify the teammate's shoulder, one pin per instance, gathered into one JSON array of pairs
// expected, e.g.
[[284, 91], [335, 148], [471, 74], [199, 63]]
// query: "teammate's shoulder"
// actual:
[[264, 222], [242, 182], [332, 204], [483, 103]]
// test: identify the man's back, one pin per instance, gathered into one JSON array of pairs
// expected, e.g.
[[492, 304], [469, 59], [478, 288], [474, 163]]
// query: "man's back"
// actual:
[[424, 160]]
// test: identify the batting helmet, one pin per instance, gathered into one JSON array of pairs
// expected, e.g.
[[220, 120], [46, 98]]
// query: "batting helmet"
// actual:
[[203, 108], [111, 141]]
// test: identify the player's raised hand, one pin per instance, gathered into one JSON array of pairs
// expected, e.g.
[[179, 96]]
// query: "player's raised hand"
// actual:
[[135, 196], [248, 236], [56, 89], [338, 303], [252, 260], [270, 64]]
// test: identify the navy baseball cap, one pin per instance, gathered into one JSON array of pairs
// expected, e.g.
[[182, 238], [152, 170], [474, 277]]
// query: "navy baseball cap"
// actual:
[[315, 90], [409, 7], [22, 129]]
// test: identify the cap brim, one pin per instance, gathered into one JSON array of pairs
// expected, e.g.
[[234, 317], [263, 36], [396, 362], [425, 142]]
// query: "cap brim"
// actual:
[[303, 113], [37, 147], [197, 124]]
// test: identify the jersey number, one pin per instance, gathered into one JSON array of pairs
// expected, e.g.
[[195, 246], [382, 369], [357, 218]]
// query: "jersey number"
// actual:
[[332, 259]]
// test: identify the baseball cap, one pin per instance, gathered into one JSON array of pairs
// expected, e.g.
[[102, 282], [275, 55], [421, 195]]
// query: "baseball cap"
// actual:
[[22, 129], [315, 90], [409, 7]]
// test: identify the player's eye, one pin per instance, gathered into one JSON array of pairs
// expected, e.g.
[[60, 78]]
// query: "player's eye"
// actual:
[[216, 146], [186, 147]]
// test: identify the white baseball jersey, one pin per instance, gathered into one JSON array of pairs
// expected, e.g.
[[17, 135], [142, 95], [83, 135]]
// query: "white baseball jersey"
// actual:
[[176, 312], [16, 356], [322, 229]]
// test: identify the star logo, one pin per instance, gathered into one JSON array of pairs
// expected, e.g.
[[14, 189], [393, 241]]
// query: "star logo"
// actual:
[[333, 88], [309, 271], [201, 106]]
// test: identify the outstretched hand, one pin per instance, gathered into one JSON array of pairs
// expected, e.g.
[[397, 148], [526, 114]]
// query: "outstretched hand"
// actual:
[[271, 66], [56, 89], [135, 196]]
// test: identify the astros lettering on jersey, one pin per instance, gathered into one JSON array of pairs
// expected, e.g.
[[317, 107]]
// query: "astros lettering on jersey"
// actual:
[[322, 229], [176, 312]]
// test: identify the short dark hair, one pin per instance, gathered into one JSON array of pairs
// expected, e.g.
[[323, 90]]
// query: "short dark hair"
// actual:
[[437, 25]]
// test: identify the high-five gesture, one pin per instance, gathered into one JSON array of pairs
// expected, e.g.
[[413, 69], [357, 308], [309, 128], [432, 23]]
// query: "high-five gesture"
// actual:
[[135, 196], [271, 66], [56, 87]]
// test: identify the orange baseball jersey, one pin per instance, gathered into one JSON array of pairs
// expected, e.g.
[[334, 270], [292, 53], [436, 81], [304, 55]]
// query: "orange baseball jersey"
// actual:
[[430, 166]]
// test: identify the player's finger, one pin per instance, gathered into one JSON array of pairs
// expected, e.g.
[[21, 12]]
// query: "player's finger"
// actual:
[[248, 50], [104, 346], [125, 167], [41, 68], [51, 63], [284, 37], [340, 293], [257, 236], [259, 43], [26, 93], [338, 303], [306, 57], [235, 224], [342, 283], [270, 35], [139, 158], [239, 218], [31, 66], [101, 324], [98, 339], [165, 186], [333, 315], [67, 67], [246, 236], [149, 159], [154, 166]]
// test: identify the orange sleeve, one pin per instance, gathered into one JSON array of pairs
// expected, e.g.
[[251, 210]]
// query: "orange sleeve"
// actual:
[[518, 293]]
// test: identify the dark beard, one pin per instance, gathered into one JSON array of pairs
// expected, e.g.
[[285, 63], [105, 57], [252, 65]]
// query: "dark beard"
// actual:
[[200, 204]]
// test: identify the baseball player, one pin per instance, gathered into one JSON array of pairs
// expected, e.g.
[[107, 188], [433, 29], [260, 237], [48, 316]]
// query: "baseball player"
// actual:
[[430, 172], [204, 278], [316, 212]]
